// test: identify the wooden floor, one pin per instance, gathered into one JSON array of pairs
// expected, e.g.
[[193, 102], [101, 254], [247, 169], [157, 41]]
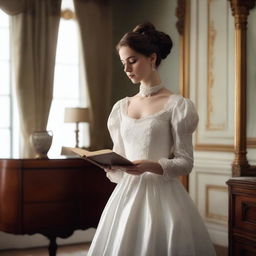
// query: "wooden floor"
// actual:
[[67, 250], [74, 250]]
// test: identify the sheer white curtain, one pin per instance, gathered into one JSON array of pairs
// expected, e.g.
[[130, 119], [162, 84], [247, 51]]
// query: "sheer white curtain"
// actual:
[[34, 29], [95, 23]]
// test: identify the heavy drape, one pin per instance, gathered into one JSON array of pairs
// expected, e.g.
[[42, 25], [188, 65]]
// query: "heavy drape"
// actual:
[[34, 29], [94, 18]]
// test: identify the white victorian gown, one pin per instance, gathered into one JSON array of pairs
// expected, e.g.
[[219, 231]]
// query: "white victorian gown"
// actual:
[[151, 214]]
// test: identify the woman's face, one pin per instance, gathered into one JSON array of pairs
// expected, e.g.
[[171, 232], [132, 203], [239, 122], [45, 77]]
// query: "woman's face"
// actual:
[[137, 67]]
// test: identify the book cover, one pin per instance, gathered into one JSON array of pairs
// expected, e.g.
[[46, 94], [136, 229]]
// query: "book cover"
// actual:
[[101, 158]]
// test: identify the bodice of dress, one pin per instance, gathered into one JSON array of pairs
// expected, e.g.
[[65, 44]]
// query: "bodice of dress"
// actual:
[[146, 138], [165, 136]]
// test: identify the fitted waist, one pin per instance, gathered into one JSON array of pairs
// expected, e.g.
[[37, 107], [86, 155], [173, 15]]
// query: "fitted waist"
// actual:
[[149, 177]]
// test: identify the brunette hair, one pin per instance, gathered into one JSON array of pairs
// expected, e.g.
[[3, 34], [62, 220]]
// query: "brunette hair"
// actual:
[[145, 39]]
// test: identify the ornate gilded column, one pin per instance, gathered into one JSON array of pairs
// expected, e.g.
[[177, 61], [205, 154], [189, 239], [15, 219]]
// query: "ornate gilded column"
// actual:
[[182, 25], [240, 11]]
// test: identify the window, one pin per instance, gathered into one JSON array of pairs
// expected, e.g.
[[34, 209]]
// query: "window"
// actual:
[[68, 88], [5, 88]]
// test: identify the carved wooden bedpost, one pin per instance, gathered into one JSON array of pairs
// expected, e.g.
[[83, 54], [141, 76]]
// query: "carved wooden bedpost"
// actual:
[[240, 11]]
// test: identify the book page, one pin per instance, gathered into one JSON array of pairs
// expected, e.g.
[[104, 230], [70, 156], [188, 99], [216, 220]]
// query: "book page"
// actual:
[[101, 158], [83, 152]]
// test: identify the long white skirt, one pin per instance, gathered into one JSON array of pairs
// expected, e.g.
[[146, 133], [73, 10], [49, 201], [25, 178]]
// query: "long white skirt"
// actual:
[[149, 216]]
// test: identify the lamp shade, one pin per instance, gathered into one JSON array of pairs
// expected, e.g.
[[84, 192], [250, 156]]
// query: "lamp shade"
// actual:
[[76, 115]]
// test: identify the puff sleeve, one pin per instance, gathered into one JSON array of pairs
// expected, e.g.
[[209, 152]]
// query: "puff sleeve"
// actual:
[[114, 122], [184, 120]]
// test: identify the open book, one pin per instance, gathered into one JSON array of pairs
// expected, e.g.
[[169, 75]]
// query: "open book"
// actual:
[[101, 158]]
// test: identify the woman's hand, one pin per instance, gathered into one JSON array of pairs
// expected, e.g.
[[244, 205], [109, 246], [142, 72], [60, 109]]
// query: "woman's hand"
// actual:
[[108, 168], [114, 168], [139, 167]]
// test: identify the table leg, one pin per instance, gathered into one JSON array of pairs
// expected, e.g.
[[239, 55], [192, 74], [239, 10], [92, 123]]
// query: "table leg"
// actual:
[[52, 246]]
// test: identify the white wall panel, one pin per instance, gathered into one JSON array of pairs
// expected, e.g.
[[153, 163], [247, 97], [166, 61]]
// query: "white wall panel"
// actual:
[[213, 80], [209, 191], [212, 89], [251, 77]]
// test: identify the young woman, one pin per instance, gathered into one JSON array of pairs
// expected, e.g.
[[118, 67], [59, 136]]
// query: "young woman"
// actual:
[[149, 213]]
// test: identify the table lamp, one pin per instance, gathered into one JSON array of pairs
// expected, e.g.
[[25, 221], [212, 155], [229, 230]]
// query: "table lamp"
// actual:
[[76, 115]]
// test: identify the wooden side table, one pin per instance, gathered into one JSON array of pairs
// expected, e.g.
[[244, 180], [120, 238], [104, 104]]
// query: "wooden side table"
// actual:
[[53, 197], [242, 216]]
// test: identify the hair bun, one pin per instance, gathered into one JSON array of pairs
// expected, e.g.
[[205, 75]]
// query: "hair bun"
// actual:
[[144, 28], [165, 44], [161, 40]]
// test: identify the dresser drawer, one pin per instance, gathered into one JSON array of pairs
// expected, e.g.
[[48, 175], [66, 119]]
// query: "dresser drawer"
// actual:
[[243, 248], [51, 185], [245, 212]]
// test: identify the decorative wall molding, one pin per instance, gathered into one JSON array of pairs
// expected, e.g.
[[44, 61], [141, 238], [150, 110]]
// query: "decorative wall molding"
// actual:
[[198, 185], [210, 215], [251, 142], [214, 147], [211, 172], [180, 14], [182, 25], [210, 106], [214, 81], [251, 79]]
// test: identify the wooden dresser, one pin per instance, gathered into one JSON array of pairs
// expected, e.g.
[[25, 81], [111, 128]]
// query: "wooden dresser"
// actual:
[[242, 216], [52, 197]]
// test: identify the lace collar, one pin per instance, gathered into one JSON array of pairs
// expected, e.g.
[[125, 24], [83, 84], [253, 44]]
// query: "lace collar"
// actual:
[[146, 91]]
